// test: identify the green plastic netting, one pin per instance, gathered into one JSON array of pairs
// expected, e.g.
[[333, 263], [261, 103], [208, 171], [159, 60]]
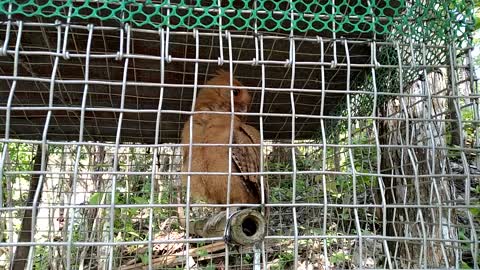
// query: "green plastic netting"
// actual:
[[423, 38], [425, 19], [380, 17], [305, 15]]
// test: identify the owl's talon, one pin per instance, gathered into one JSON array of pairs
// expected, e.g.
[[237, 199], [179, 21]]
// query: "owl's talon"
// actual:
[[227, 237]]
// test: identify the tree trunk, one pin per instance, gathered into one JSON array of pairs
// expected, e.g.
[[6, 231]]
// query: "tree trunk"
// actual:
[[21, 253], [412, 184]]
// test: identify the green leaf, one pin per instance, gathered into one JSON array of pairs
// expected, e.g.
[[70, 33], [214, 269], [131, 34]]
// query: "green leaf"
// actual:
[[134, 234], [475, 211], [211, 266], [339, 257], [140, 200], [117, 198], [144, 258], [202, 252], [95, 198], [464, 265]]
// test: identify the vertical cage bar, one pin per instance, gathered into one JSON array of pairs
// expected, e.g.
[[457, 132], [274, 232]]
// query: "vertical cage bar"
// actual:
[[71, 219], [117, 146]]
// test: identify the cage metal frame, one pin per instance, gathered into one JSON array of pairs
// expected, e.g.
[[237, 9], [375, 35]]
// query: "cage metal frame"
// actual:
[[125, 55]]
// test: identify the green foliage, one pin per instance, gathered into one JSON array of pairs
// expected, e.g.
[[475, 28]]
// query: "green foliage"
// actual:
[[41, 259], [464, 265], [469, 124], [21, 160], [285, 260], [96, 198], [248, 259], [476, 14], [21, 156], [283, 190], [202, 252], [144, 258], [210, 266], [339, 257]]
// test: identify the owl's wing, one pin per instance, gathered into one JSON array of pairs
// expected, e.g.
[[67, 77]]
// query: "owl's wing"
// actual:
[[247, 159]]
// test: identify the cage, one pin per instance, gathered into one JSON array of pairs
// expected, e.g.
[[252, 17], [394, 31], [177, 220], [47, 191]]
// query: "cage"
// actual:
[[367, 112]]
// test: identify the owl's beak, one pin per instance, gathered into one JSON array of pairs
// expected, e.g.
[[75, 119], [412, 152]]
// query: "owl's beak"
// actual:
[[244, 108], [241, 107]]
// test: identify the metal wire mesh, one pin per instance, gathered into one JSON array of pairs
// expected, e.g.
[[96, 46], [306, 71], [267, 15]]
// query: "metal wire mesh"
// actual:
[[370, 144]]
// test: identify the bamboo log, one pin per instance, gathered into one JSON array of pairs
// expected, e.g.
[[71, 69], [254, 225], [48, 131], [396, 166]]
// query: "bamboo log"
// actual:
[[245, 227]]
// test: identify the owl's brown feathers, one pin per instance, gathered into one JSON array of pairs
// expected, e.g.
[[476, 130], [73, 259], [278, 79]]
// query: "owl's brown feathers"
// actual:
[[215, 129]]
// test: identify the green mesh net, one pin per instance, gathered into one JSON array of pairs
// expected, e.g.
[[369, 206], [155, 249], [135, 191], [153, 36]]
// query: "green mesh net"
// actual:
[[424, 20], [424, 37], [305, 15]]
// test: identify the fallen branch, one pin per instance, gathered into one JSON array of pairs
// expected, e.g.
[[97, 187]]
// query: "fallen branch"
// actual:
[[180, 257]]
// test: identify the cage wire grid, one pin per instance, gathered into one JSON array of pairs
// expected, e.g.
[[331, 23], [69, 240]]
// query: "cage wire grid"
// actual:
[[369, 144]]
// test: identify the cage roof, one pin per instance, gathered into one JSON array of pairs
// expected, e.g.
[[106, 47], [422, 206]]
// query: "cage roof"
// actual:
[[307, 70], [103, 80]]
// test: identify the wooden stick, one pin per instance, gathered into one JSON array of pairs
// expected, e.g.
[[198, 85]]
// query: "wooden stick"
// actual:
[[179, 257]]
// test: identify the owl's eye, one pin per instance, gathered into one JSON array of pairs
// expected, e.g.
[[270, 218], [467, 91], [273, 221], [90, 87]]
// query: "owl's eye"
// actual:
[[236, 92]]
